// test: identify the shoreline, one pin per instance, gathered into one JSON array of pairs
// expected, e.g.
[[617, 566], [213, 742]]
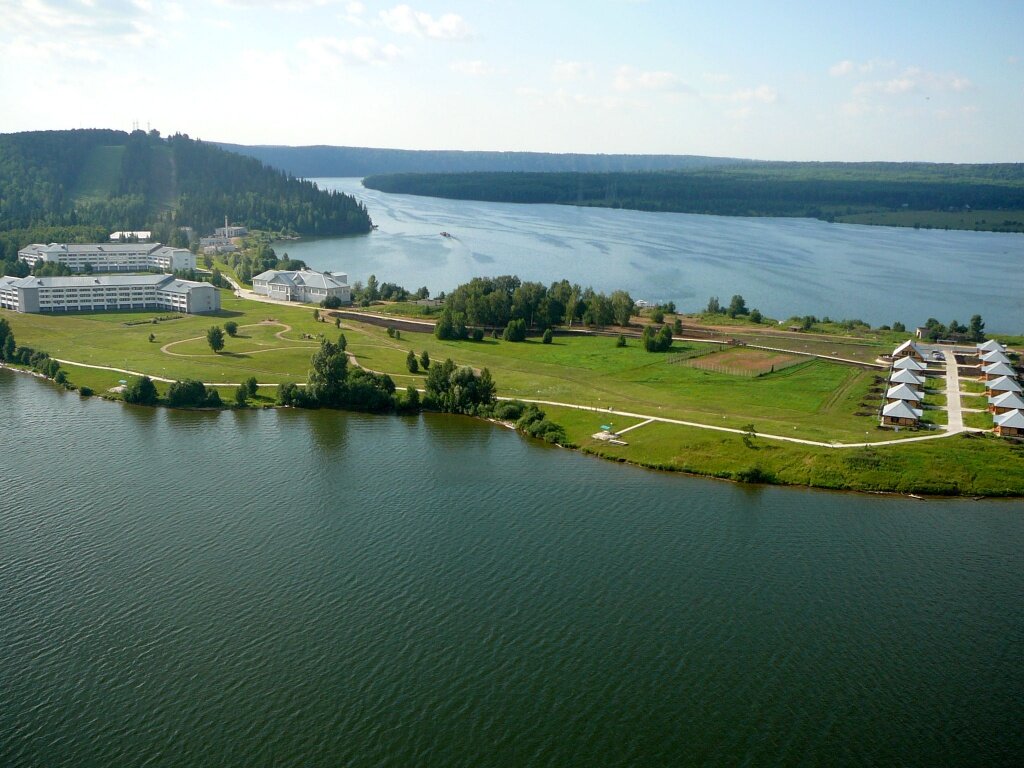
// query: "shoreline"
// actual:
[[763, 480]]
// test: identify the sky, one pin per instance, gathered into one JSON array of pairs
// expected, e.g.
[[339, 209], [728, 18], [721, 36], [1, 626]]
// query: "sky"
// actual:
[[785, 80]]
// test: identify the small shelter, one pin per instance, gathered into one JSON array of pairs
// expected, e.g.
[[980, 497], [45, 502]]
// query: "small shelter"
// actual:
[[995, 370], [1002, 384], [907, 377], [995, 356], [909, 364], [991, 346], [902, 392], [909, 349], [1007, 401], [1010, 424], [900, 414]]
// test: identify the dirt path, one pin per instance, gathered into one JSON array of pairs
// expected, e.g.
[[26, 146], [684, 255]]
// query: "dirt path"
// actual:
[[166, 348]]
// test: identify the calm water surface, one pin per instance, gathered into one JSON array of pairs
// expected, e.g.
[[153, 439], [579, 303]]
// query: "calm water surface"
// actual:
[[782, 266], [321, 588]]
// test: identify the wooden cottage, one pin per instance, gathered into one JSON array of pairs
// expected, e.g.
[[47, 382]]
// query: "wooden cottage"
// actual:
[[909, 364], [900, 414], [1010, 424], [907, 377], [996, 387], [903, 392], [1007, 401], [995, 370], [909, 349], [995, 356]]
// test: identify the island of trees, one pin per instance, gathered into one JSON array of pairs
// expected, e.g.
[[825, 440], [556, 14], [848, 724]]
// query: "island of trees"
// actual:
[[80, 185]]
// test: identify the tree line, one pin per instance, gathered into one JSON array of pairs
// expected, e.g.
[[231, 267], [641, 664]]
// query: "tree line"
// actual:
[[760, 189], [498, 302]]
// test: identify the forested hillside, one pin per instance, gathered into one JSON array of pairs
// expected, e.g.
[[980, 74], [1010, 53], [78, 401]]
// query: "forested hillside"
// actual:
[[81, 185], [320, 161], [987, 197]]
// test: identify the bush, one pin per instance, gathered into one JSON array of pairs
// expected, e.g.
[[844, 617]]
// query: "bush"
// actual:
[[331, 302], [251, 386], [547, 337], [621, 341], [515, 330], [658, 316], [241, 396], [140, 391], [425, 360], [190, 393], [411, 363], [657, 341], [231, 327], [85, 391], [412, 398], [478, 334], [755, 316]]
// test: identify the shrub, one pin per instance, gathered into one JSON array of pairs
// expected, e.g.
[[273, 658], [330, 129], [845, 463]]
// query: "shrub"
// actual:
[[515, 330], [547, 337], [85, 391], [411, 363], [621, 341], [231, 327], [478, 334]]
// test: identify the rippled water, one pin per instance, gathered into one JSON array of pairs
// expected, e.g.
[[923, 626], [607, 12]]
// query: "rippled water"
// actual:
[[320, 588], [782, 266]]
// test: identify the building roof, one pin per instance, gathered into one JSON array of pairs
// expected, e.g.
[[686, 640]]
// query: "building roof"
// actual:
[[995, 356], [1013, 419], [1007, 400], [92, 248], [307, 277], [906, 377], [908, 346], [909, 364], [157, 281], [902, 392], [1003, 384], [999, 369], [901, 410], [991, 345]]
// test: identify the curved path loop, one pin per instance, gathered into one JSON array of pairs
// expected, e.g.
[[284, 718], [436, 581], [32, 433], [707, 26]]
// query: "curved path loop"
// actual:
[[166, 348]]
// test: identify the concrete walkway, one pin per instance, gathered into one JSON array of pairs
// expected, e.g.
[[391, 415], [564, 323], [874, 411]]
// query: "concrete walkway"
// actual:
[[954, 414]]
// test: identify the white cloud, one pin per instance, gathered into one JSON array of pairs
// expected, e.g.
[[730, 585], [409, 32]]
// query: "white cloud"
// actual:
[[82, 21], [403, 20], [631, 79], [473, 68], [841, 68], [331, 51], [762, 94], [914, 79], [566, 71], [716, 77]]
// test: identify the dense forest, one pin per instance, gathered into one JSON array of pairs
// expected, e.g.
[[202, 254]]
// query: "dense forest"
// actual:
[[319, 161], [80, 185], [830, 191]]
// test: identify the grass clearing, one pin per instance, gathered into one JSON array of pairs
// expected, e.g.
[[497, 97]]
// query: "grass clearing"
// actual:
[[100, 174]]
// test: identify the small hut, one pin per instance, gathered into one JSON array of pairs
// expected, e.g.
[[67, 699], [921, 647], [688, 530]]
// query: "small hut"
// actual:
[[1010, 424], [900, 414]]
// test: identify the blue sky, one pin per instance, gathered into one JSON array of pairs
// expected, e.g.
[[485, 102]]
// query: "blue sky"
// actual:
[[935, 81]]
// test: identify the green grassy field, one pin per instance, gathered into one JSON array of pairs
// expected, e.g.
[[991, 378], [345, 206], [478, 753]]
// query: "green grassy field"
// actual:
[[815, 399], [968, 465], [98, 179]]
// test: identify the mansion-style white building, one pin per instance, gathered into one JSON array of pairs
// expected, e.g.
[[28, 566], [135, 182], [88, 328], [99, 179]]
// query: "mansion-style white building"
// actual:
[[110, 257], [307, 285], [107, 292]]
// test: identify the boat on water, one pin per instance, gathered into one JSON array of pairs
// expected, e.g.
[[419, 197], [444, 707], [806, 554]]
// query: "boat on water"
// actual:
[[447, 234]]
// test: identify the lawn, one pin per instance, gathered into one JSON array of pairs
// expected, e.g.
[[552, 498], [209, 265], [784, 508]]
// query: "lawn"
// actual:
[[964, 464], [813, 399]]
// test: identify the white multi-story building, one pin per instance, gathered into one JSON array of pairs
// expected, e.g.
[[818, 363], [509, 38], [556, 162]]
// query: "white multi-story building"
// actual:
[[110, 257], [107, 292], [306, 285]]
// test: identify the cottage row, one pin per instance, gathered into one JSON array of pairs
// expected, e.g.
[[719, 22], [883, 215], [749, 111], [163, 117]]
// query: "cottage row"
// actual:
[[1003, 388], [906, 387]]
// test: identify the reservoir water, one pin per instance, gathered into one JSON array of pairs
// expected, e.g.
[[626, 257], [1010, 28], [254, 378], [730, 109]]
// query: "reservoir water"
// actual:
[[783, 267], [280, 588]]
